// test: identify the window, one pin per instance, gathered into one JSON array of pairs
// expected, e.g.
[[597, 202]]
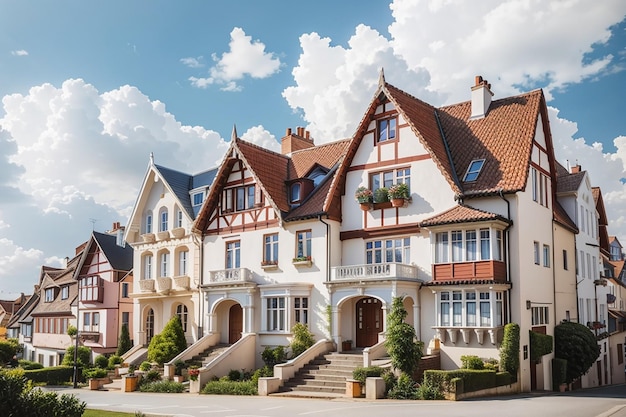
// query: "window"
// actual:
[[164, 264], [540, 187], [65, 292], [86, 322], [473, 170], [539, 316], [533, 177], [95, 322], [303, 244], [233, 254], [181, 312], [589, 266], [295, 192], [564, 259], [163, 220], [91, 289], [463, 245], [386, 129], [386, 251], [546, 256], [239, 198], [149, 223], [124, 290], [301, 309], [582, 264], [536, 252], [197, 198], [270, 249], [620, 353], [179, 218], [275, 313], [147, 267], [182, 262], [125, 318], [594, 267], [388, 178], [49, 295], [470, 308]]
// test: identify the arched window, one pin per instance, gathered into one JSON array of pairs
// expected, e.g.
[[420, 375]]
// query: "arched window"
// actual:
[[148, 225], [149, 325], [181, 312], [163, 220]]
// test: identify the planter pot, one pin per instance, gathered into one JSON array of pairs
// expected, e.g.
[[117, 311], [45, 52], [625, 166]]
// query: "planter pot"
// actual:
[[194, 386], [346, 346], [398, 202], [178, 232], [366, 206], [179, 378], [130, 383]]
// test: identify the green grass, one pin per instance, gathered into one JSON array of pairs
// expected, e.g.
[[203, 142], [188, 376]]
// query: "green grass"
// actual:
[[104, 413]]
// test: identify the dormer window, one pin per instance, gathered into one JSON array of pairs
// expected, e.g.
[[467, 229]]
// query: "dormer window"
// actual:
[[295, 193], [49, 295], [386, 129], [317, 175], [197, 198], [473, 170]]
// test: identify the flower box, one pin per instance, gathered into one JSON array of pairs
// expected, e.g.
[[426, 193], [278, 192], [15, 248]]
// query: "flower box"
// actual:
[[302, 261]]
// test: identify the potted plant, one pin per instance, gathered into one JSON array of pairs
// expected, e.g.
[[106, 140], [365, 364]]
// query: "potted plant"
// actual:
[[364, 196], [381, 195], [193, 373], [302, 260], [399, 194]]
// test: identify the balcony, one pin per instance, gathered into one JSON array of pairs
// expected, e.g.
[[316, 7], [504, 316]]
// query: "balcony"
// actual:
[[470, 271], [164, 285], [178, 232], [374, 272], [450, 334], [146, 285], [235, 275], [181, 283]]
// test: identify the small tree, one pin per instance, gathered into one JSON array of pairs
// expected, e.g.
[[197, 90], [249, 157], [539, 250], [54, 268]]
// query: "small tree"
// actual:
[[83, 358], [302, 339], [405, 352], [169, 343], [509, 350], [576, 344], [123, 343]]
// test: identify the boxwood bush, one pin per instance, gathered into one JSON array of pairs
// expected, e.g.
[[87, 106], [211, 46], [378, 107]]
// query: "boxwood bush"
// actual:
[[227, 387], [162, 386], [54, 375], [473, 379]]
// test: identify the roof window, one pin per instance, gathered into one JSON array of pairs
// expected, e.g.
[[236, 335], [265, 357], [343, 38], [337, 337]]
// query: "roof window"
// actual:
[[473, 170]]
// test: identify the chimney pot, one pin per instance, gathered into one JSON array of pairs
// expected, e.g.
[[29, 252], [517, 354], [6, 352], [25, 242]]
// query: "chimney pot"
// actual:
[[308, 134], [288, 131], [478, 80]]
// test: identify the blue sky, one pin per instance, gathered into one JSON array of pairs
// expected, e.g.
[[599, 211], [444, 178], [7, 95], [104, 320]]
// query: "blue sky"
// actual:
[[89, 89]]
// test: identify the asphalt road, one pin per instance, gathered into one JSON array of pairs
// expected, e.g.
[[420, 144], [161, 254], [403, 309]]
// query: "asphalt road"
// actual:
[[598, 402]]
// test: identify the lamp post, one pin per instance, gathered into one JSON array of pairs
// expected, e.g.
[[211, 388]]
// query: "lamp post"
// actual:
[[76, 336]]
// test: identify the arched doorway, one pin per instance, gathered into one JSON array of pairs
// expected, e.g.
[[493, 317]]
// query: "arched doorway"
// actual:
[[369, 321], [235, 323]]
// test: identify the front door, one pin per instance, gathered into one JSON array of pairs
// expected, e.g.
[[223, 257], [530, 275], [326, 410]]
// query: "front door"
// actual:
[[235, 323], [369, 321]]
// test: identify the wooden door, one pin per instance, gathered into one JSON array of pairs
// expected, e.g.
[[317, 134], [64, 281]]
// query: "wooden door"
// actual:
[[369, 321], [235, 323]]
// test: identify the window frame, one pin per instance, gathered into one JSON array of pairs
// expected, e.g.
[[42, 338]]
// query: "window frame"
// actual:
[[270, 249], [451, 246], [91, 288], [473, 170], [387, 250], [389, 125], [232, 261], [388, 177], [239, 198], [163, 220], [49, 295], [303, 247], [470, 308]]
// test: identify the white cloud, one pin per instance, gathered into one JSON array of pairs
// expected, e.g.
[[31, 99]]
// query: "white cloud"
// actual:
[[192, 62], [260, 136], [245, 58], [69, 154], [20, 52]]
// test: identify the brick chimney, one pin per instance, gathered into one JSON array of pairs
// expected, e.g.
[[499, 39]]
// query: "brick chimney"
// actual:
[[294, 142], [481, 98], [575, 169]]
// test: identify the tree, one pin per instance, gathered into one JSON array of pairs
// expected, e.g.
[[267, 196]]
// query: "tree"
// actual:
[[576, 344], [8, 350], [302, 339], [123, 343], [509, 350], [83, 357], [403, 348], [170, 342]]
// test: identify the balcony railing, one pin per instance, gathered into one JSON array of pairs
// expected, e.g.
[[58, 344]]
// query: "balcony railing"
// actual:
[[374, 272], [146, 285], [230, 275], [181, 283], [164, 285], [477, 270]]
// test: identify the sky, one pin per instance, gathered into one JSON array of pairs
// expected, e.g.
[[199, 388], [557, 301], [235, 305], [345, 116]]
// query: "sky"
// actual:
[[89, 89]]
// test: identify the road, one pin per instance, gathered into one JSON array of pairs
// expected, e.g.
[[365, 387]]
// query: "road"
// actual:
[[598, 402]]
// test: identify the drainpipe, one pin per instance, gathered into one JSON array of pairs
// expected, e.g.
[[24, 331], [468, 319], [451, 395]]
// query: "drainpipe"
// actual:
[[508, 252], [200, 293]]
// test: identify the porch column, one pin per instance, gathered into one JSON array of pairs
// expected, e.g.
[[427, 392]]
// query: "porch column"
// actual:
[[212, 322], [248, 319], [335, 330]]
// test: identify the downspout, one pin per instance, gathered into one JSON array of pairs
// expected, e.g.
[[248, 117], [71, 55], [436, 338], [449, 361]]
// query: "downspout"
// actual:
[[508, 252], [200, 294]]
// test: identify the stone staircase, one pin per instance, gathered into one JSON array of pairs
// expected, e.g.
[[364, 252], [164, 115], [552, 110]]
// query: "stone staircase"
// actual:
[[326, 374], [206, 356]]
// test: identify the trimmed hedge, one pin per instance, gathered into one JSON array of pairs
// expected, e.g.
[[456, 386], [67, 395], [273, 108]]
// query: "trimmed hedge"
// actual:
[[471, 379], [559, 372], [223, 387], [53, 375], [540, 344]]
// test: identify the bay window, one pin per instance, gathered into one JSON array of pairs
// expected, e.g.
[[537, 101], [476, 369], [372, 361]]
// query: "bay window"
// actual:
[[468, 245], [284, 306], [91, 289], [470, 308]]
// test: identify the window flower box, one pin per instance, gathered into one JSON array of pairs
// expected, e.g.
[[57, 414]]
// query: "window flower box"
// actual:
[[302, 261], [399, 195], [269, 265], [364, 195]]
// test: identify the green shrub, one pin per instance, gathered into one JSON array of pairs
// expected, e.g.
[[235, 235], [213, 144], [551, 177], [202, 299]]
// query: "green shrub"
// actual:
[[145, 366], [302, 339], [540, 344], [559, 372], [18, 398], [473, 379], [235, 375], [169, 343], [54, 375], [428, 390], [381, 195], [123, 343], [405, 352], [162, 386], [29, 365], [272, 356], [503, 378], [509, 350], [362, 373], [151, 376], [94, 373], [405, 389], [230, 388], [265, 371], [83, 357], [114, 360], [101, 361], [8, 349], [472, 362], [578, 346], [491, 364]]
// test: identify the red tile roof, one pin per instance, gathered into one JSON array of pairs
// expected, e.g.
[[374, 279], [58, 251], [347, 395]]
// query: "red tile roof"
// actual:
[[461, 214]]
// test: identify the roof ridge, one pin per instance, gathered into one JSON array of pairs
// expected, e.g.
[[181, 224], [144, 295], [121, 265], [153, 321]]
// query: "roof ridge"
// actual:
[[335, 142], [261, 148], [527, 93]]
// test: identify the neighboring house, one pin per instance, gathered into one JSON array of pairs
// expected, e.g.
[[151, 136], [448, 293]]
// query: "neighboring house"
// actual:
[[167, 251], [105, 282], [7, 309], [584, 204], [53, 313], [21, 324]]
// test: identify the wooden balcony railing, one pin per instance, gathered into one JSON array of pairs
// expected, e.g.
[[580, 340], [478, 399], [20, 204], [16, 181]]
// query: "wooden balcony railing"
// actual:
[[477, 270]]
